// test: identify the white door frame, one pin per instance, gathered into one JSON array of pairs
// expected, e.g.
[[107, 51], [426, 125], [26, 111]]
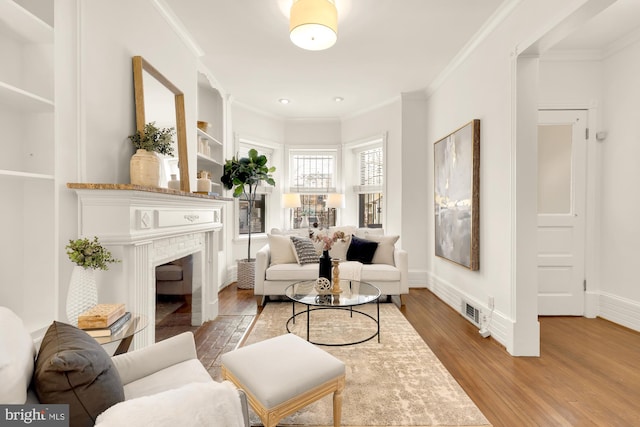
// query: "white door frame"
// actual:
[[592, 225]]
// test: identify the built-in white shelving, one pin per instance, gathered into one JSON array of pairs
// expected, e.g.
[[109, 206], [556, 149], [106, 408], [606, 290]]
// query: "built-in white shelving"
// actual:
[[211, 143], [27, 166]]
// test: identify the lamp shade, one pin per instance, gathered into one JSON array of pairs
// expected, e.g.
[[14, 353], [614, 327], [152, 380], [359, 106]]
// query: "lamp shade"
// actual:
[[291, 200], [335, 200], [313, 24]]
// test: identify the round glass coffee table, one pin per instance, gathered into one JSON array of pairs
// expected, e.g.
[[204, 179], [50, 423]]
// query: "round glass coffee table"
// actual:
[[354, 293]]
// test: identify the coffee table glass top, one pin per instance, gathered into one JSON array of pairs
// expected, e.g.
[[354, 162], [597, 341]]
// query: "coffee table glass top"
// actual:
[[353, 293]]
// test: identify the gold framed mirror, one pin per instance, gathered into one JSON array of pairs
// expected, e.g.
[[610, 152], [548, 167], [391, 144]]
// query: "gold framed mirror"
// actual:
[[158, 100]]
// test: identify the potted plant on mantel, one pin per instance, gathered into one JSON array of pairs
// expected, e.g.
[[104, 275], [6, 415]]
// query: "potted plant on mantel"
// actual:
[[243, 176], [144, 168]]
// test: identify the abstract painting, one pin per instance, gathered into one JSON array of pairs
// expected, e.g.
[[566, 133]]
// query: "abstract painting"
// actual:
[[457, 196]]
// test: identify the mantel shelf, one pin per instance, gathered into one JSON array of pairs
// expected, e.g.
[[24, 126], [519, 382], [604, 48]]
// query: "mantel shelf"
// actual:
[[133, 187]]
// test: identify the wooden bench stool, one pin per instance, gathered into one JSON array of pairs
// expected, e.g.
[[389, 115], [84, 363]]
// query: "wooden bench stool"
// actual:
[[281, 375]]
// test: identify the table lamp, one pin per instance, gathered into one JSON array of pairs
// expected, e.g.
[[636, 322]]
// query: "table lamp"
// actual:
[[291, 201]]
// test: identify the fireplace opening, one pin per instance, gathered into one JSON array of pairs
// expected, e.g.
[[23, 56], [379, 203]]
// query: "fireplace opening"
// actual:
[[174, 297]]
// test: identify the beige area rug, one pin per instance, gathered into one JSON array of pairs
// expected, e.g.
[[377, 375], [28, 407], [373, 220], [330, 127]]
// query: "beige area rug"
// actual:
[[397, 382]]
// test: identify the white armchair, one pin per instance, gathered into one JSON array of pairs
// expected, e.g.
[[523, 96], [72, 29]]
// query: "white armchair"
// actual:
[[170, 368]]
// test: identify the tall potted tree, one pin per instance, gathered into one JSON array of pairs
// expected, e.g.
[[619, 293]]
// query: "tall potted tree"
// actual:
[[243, 176]]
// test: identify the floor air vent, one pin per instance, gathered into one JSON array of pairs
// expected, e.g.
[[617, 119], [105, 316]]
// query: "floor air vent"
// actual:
[[471, 313]]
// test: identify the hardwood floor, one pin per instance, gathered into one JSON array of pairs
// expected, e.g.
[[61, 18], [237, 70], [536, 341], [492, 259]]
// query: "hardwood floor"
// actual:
[[587, 374]]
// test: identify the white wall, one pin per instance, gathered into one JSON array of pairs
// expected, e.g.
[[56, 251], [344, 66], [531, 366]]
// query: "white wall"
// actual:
[[93, 139], [384, 120], [620, 229], [270, 130], [483, 87]]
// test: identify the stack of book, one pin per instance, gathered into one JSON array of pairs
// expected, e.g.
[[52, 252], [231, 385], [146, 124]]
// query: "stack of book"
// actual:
[[104, 320]]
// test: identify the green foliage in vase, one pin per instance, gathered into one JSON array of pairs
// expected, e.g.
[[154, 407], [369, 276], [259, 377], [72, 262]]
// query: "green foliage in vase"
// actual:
[[243, 175], [89, 254], [154, 139]]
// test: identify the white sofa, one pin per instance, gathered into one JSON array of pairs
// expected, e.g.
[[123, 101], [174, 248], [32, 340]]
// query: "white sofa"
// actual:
[[274, 272], [163, 380]]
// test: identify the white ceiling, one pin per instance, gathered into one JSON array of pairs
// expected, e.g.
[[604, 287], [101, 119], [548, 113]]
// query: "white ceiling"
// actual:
[[384, 48], [618, 21]]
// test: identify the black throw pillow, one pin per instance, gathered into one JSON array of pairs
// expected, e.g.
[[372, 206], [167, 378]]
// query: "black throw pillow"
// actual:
[[73, 368], [361, 250]]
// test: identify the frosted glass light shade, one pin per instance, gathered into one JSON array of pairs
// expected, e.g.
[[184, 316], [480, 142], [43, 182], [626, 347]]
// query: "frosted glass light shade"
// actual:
[[313, 24], [291, 200], [335, 200]]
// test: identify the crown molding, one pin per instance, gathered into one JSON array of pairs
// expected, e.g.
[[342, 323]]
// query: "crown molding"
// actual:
[[176, 24], [487, 28]]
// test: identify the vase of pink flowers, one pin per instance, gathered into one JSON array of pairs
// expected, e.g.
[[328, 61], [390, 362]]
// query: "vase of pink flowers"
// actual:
[[327, 243]]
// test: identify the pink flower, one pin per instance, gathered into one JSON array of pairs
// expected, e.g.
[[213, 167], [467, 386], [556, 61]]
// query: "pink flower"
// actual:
[[329, 240]]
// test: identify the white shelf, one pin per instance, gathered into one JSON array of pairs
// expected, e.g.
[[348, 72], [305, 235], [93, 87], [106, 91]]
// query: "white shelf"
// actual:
[[209, 137], [209, 159], [18, 174], [21, 23], [22, 100]]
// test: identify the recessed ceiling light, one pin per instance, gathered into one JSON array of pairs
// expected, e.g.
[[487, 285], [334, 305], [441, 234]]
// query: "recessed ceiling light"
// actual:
[[338, 99], [283, 101]]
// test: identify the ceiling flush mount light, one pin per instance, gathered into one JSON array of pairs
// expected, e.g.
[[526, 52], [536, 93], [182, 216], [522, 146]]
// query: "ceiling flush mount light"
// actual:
[[313, 24], [284, 101], [338, 99]]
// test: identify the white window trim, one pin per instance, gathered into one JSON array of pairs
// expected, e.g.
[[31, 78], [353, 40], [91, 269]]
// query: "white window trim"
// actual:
[[271, 150], [352, 180]]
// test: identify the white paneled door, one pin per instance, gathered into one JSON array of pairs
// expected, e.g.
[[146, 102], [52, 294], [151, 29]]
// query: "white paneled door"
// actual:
[[562, 156]]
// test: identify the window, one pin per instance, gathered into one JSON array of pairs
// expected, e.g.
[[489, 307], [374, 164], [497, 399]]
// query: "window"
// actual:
[[313, 175], [312, 172], [261, 203], [370, 185], [258, 214]]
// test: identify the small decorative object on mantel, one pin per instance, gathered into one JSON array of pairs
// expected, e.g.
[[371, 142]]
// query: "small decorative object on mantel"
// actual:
[[83, 293], [204, 183], [174, 182], [144, 168]]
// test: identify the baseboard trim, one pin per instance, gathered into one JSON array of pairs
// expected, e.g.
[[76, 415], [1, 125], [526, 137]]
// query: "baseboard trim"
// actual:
[[622, 311], [499, 325]]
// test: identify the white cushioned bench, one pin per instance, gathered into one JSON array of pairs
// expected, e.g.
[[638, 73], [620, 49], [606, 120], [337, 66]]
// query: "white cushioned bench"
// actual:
[[284, 374]]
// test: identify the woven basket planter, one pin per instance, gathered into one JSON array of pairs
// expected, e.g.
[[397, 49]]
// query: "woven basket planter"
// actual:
[[246, 273]]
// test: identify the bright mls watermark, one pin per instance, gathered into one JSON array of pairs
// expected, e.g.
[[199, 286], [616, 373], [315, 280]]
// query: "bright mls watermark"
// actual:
[[34, 415]]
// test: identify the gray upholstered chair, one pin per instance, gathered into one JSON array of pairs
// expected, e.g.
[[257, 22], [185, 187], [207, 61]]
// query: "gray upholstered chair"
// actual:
[[175, 278]]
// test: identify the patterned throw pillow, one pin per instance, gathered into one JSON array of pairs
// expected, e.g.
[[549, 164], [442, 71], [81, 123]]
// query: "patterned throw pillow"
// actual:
[[304, 250]]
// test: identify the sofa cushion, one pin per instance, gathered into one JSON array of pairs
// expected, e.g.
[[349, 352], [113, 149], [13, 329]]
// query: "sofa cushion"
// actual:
[[304, 250], [361, 250], [292, 272], [73, 368], [281, 250], [189, 371], [365, 233], [169, 272], [384, 251], [17, 355], [340, 248], [379, 273]]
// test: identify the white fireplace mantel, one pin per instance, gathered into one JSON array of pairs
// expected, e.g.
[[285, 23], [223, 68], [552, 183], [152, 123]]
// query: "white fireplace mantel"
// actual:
[[145, 228]]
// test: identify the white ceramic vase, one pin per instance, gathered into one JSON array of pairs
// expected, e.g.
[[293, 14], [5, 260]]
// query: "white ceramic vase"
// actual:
[[82, 293], [144, 168]]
